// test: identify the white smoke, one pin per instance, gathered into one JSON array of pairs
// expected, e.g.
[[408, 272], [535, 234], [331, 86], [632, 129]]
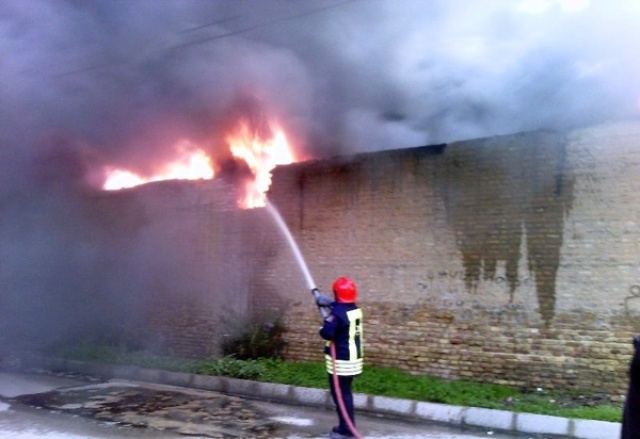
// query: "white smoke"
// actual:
[[127, 79], [85, 83]]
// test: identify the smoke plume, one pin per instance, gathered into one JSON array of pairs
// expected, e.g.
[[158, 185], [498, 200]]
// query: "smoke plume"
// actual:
[[88, 83]]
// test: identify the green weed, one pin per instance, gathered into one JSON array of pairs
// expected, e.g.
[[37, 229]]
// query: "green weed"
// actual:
[[373, 381]]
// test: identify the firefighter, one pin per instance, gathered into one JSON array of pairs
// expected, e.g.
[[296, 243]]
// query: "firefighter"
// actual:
[[343, 326]]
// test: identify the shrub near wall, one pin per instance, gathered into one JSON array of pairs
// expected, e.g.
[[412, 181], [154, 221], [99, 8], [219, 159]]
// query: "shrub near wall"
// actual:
[[511, 259]]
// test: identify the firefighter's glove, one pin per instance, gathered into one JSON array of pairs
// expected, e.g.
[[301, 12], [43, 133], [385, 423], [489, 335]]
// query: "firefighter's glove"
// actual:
[[321, 299]]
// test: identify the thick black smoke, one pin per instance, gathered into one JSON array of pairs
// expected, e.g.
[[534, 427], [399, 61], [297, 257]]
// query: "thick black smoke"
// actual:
[[89, 83]]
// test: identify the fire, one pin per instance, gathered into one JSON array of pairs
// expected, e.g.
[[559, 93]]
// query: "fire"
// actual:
[[260, 152], [121, 179], [261, 156], [192, 164]]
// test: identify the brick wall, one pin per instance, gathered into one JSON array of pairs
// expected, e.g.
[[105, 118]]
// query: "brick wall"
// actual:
[[511, 259], [189, 255]]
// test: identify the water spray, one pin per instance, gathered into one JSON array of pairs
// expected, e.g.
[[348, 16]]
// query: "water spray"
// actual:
[[292, 243], [297, 253], [323, 309]]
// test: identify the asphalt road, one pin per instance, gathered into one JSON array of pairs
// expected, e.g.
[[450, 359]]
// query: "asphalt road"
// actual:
[[50, 407]]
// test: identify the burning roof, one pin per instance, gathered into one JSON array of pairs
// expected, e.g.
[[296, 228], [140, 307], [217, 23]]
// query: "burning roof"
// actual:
[[253, 154]]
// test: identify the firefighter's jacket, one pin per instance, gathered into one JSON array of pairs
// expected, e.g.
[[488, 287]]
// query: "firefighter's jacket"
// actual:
[[345, 327]]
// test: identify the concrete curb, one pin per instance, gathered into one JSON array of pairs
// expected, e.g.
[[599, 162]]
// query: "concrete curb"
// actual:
[[525, 423]]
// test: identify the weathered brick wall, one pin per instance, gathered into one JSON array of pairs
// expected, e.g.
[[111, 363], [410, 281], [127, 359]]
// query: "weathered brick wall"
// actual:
[[189, 255], [511, 259]]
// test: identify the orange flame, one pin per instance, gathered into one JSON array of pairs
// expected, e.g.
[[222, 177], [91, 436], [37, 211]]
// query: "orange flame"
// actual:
[[260, 153], [261, 156], [192, 164]]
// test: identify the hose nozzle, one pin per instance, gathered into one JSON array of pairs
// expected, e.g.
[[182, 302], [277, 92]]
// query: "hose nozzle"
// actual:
[[322, 301]]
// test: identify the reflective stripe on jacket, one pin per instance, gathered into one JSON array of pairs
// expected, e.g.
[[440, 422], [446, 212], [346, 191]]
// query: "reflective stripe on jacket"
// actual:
[[345, 327]]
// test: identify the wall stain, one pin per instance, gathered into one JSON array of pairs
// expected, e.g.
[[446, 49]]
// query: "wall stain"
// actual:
[[502, 192], [634, 293]]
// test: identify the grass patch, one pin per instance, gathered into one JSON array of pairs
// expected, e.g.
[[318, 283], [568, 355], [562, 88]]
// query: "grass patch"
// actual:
[[120, 355], [373, 381], [231, 367]]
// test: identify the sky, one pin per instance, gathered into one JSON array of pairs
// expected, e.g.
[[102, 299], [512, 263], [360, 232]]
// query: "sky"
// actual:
[[90, 83]]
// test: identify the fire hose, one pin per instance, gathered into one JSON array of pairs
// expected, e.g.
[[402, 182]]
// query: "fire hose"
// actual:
[[323, 310], [336, 383]]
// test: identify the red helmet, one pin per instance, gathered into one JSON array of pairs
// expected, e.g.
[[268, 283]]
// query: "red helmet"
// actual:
[[344, 290]]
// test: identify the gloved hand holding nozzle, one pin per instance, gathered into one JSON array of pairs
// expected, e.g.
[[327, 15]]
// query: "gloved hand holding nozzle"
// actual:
[[321, 299]]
